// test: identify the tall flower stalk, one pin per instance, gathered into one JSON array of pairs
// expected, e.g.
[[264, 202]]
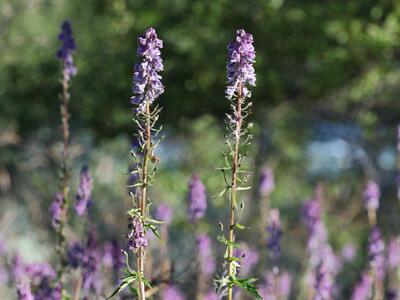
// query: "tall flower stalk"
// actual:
[[240, 75], [147, 87], [60, 206]]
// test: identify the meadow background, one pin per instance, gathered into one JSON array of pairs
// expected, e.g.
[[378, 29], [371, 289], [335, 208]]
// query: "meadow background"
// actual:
[[326, 108]]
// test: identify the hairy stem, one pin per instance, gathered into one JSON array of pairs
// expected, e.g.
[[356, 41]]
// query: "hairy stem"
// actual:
[[235, 166], [143, 197], [64, 177]]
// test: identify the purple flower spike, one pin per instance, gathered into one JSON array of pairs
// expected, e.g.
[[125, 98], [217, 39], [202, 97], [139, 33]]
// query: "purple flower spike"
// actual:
[[67, 48], [363, 289], [164, 213], [240, 70], [249, 258], [173, 293], [147, 84], [267, 183], [371, 195], [56, 210], [206, 257], [197, 199], [274, 234], [136, 236], [84, 192]]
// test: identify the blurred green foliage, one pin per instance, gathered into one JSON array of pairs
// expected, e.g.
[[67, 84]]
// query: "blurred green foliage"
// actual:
[[337, 59]]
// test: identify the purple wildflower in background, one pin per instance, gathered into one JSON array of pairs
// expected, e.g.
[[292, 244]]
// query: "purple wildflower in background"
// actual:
[[376, 249], [211, 295], [276, 286], [240, 70], [67, 48], [147, 84], [398, 137], [348, 252], [363, 289], [164, 213], [197, 198], [393, 253], [75, 254], [206, 257], [274, 234], [267, 183], [113, 257], [136, 236], [24, 290], [91, 280], [56, 210], [324, 282], [84, 191], [248, 258], [371, 195], [173, 293]]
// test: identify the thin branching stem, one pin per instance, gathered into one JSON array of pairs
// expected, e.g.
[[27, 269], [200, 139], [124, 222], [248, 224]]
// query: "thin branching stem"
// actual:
[[233, 190]]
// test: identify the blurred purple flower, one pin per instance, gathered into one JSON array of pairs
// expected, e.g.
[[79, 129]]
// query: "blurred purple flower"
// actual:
[[84, 191], [324, 282], [206, 257], [371, 195], [147, 85], [173, 293], [376, 249], [56, 210], [24, 290], [67, 48], [393, 253], [240, 70], [211, 295], [248, 258], [349, 252], [276, 286], [197, 198], [113, 257], [274, 234], [136, 236], [164, 213], [267, 183], [91, 280], [75, 254], [363, 289]]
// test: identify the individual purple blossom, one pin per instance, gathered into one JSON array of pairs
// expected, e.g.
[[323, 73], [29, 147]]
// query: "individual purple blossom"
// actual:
[[393, 253], [240, 70], [324, 282], [274, 234], [371, 195], [56, 210], [363, 289], [84, 191], [67, 48], [24, 290], [376, 249], [91, 280], [267, 183], [197, 198], [172, 292], [38, 271], [164, 213], [136, 235], [45, 291], [206, 257], [147, 85]]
